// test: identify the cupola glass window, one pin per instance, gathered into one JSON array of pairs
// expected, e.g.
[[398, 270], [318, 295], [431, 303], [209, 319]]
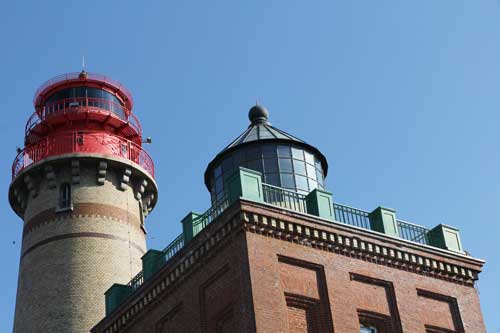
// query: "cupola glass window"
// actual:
[[66, 99], [281, 165]]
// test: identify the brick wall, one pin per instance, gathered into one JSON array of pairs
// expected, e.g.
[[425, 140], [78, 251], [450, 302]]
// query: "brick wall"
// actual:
[[70, 258], [282, 269]]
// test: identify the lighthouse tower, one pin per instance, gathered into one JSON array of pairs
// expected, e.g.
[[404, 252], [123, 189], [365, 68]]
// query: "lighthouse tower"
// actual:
[[83, 185]]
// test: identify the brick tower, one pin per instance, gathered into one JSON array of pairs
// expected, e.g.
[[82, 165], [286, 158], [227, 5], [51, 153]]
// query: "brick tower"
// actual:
[[82, 185], [274, 253]]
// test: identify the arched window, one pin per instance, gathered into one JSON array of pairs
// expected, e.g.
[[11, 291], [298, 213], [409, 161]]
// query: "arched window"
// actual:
[[65, 196]]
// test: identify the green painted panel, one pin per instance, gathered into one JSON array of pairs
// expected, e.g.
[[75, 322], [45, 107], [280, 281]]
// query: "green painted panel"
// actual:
[[115, 295], [244, 183], [446, 237], [151, 263], [320, 203], [384, 220]]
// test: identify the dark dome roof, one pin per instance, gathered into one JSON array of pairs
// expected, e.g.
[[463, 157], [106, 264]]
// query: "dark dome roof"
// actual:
[[261, 131]]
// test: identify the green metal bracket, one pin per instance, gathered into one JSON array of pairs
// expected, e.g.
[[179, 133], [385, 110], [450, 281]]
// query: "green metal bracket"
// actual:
[[244, 183], [188, 228], [320, 203], [151, 263], [384, 220], [446, 237], [115, 295]]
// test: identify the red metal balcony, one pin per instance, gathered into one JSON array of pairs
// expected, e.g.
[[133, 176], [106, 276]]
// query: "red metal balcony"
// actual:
[[82, 142], [82, 108]]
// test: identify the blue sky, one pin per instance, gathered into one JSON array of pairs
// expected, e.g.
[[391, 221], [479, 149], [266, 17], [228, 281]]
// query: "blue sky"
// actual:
[[401, 96]]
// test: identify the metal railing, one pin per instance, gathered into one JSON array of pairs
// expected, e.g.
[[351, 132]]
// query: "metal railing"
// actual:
[[76, 76], [281, 197], [211, 214], [82, 141], [413, 232], [173, 248], [352, 216], [72, 106], [136, 281]]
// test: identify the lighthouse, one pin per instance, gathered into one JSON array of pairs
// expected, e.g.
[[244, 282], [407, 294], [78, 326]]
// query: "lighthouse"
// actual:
[[83, 185]]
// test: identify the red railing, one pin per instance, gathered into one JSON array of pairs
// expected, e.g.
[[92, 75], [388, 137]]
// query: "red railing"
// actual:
[[76, 76], [82, 142], [82, 104]]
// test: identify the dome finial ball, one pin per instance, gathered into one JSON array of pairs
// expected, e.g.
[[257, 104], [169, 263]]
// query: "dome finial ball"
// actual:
[[258, 114]]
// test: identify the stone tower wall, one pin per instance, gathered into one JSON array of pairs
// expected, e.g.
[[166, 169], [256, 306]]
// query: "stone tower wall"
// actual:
[[70, 257]]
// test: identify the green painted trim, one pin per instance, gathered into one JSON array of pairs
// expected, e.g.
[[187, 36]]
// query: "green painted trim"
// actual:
[[244, 183], [320, 203], [151, 263], [187, 226], [115, 295], [446, 237], [384, 220]]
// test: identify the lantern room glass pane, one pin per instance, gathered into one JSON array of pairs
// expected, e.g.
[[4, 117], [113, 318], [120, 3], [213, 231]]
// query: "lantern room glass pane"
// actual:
[[297, 153], [272, 179], [299, 167], [284, 151], [252, 153], [301, 183], [227, 165], [311, 172], [287, 180], [269, 151], [309, 158], [271, 165], [285, 165]]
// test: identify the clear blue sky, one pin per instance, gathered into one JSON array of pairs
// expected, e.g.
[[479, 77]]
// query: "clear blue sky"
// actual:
[[403, 97]]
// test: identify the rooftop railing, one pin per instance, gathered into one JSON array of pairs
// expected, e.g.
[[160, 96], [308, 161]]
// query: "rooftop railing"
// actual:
[[84, 142], [281, 197], [171, 249], [413, 232], [352, 216]]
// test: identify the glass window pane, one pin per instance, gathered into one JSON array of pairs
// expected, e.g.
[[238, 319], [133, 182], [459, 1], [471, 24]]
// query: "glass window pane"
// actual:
[[217, 171], [271, 165], [227, 165], [317, 163], [319, 176], [284, 151], [312, 184], [273, 179], [94, 93], [269, 151], [299, 167], [311, 172], [237, 158], [287, 180], [252, 153], [285, 165], [255, 165], [309, 157], [218, 185], [297, 153], [301, 183]]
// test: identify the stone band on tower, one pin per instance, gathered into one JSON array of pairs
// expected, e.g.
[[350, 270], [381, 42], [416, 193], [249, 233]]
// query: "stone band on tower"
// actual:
[[83, 185]]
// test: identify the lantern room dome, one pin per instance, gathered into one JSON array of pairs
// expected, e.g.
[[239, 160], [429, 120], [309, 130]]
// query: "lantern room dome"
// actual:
[[283, 159]]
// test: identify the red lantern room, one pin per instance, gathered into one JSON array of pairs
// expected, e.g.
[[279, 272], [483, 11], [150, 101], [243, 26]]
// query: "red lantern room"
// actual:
[[82, 112]]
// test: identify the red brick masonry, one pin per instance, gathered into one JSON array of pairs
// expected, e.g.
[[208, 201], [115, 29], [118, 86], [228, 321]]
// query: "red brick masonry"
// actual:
[[259, 268]]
